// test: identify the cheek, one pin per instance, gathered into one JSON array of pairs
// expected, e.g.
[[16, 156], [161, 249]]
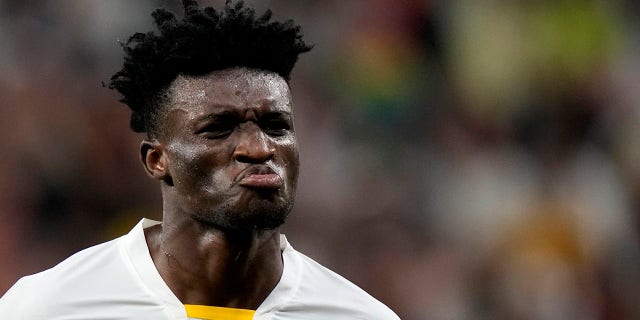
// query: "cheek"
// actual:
[[291, 159], [194, 165]]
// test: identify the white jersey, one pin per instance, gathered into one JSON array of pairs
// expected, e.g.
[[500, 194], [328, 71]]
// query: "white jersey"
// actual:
[[118, 280]]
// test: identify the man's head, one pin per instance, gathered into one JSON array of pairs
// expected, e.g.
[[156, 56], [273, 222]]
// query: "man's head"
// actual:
[[211, 93], [205, 40]]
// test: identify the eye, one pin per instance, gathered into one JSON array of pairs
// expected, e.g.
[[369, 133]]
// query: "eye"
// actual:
[[275, 127], [217, 130]]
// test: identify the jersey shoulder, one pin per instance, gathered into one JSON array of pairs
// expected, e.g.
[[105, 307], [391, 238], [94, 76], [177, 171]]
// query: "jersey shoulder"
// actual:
[[326, 294], [96, 277]]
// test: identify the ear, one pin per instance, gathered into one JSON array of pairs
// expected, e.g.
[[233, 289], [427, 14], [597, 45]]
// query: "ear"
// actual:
[[154, 159]]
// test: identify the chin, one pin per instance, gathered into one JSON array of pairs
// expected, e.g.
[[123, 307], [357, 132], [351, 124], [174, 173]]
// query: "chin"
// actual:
[[261, 215]]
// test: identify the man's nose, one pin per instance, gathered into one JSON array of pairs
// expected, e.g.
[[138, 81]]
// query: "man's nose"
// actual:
[[253, 146]]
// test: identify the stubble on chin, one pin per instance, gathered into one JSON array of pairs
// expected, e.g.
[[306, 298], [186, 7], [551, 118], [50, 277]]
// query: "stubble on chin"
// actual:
[[260, 216]]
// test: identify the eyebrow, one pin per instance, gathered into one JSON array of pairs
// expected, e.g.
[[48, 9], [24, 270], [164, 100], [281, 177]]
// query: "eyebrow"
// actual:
[[221, 115], [229, 115], [275, 115]]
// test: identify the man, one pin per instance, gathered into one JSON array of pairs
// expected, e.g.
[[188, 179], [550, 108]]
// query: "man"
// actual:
[[211, 93]]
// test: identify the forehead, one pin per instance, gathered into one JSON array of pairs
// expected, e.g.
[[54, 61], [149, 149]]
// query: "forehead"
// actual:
[[238, 88]]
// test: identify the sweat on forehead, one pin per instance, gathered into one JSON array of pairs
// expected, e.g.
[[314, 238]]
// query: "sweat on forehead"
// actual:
[[226, 84]]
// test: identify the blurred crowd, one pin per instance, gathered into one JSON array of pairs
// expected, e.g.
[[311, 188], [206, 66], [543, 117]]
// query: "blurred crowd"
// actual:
[[460, 159]]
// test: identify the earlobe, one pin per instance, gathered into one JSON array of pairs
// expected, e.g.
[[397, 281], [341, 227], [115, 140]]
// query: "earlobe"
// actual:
[[154, 159]]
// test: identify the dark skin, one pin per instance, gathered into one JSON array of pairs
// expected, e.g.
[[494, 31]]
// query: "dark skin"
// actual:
[[227, 160]]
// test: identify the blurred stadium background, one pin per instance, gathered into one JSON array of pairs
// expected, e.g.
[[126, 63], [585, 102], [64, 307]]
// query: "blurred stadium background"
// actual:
[[461, 159]]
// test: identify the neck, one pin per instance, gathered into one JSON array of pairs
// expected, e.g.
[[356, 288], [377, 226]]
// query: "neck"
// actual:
[[206, 266]]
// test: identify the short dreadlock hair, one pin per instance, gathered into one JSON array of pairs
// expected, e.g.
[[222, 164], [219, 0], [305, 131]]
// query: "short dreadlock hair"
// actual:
[[205, 40]]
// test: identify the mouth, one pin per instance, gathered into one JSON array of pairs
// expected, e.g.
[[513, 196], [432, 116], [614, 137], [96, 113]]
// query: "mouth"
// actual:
[[260, 177]]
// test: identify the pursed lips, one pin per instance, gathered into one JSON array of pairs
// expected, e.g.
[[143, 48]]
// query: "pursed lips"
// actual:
[[259, 177]]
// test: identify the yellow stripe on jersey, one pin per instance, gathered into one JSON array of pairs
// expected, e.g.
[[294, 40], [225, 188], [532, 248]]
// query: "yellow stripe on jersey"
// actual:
[[217, 313]]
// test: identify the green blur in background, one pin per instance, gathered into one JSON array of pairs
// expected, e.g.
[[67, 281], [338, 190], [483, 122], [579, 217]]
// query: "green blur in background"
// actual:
[[460, 159]]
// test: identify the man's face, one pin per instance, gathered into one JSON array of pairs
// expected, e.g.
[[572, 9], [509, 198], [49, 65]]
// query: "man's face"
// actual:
[[231, 149]]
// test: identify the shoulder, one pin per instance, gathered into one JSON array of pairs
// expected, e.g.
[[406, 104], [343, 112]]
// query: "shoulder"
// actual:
[[15, 302], [330, 295], [88, 274]]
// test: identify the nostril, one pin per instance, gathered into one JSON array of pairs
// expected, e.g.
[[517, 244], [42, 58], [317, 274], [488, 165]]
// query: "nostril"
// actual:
[[245, 159]]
